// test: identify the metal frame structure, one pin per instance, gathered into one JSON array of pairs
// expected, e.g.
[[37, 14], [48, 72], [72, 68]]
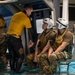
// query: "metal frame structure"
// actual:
[[7, 1]]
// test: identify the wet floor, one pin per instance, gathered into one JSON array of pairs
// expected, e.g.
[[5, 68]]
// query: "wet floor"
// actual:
[[5, 70]]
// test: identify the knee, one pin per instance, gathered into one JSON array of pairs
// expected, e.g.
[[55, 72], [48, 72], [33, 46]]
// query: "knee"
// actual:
[[29, 57], [43, 56], [53, 58], [21, 51]]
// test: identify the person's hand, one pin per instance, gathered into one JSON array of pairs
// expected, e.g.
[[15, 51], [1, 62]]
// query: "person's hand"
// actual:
[[35, 60], [53, 53], [30, 44], [39, 55], [52, 57]]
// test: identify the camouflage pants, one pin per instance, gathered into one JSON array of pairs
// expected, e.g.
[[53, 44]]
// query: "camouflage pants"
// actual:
[[29, 60], [3, 48], [60, 56], [49, 65]]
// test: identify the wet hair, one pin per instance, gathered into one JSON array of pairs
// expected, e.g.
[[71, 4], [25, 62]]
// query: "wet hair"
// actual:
[[26, 6]]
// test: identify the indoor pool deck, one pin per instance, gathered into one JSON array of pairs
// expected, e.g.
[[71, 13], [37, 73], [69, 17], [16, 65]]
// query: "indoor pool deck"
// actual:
[[25, 71]]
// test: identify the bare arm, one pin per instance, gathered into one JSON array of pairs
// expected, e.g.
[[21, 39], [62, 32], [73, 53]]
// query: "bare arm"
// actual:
[[46, 47], [66, 40], [36, 50], [50, 51], [61, 47]]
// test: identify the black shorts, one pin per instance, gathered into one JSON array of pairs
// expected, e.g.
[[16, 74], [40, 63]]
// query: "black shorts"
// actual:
[[14, 44]]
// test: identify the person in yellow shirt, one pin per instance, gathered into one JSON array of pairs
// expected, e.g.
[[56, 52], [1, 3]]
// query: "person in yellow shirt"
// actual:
[[18, 22]]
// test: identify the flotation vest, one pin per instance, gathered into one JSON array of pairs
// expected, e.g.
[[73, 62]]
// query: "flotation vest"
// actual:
[[45, 36], [59, 40]]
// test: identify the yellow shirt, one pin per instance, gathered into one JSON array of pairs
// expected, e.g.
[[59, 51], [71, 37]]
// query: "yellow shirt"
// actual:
[[17, 24]]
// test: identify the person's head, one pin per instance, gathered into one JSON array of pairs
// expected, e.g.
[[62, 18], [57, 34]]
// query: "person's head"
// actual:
[[28, 9], [47, 23], [62, 24]]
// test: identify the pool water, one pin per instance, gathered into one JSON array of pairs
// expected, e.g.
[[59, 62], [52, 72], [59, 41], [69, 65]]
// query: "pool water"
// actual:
[[71, 67]]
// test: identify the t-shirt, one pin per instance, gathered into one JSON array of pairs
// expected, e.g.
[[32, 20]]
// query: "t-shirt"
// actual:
[[17, 23], [45, 37], [68, 37]]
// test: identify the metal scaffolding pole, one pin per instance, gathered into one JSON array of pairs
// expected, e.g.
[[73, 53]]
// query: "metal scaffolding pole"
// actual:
[[51, 6], [57, 8], [65, 10]]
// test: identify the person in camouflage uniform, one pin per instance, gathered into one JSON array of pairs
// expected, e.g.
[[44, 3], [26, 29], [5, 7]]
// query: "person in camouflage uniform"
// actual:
[[42, 43], [61, 50], [3, 45]]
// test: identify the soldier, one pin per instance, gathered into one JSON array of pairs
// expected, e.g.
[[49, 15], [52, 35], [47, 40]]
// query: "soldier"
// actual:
[[61, 49], [3, 45], [42, 43]]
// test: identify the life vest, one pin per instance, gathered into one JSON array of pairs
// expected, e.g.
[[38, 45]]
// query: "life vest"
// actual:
[[45, 36], [59, 40]]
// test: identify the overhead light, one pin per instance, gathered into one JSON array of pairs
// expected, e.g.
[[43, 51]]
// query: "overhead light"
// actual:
[[7, 1]]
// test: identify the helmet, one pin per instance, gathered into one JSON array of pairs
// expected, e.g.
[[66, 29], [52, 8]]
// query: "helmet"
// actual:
[[62, 23], [49, 22]]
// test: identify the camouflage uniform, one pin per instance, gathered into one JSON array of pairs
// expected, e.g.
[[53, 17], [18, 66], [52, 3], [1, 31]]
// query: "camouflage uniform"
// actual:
[[49, 66], [3, 45], [44, 37]]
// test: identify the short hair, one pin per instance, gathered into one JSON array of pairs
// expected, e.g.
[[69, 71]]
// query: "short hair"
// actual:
[[26, 6]]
